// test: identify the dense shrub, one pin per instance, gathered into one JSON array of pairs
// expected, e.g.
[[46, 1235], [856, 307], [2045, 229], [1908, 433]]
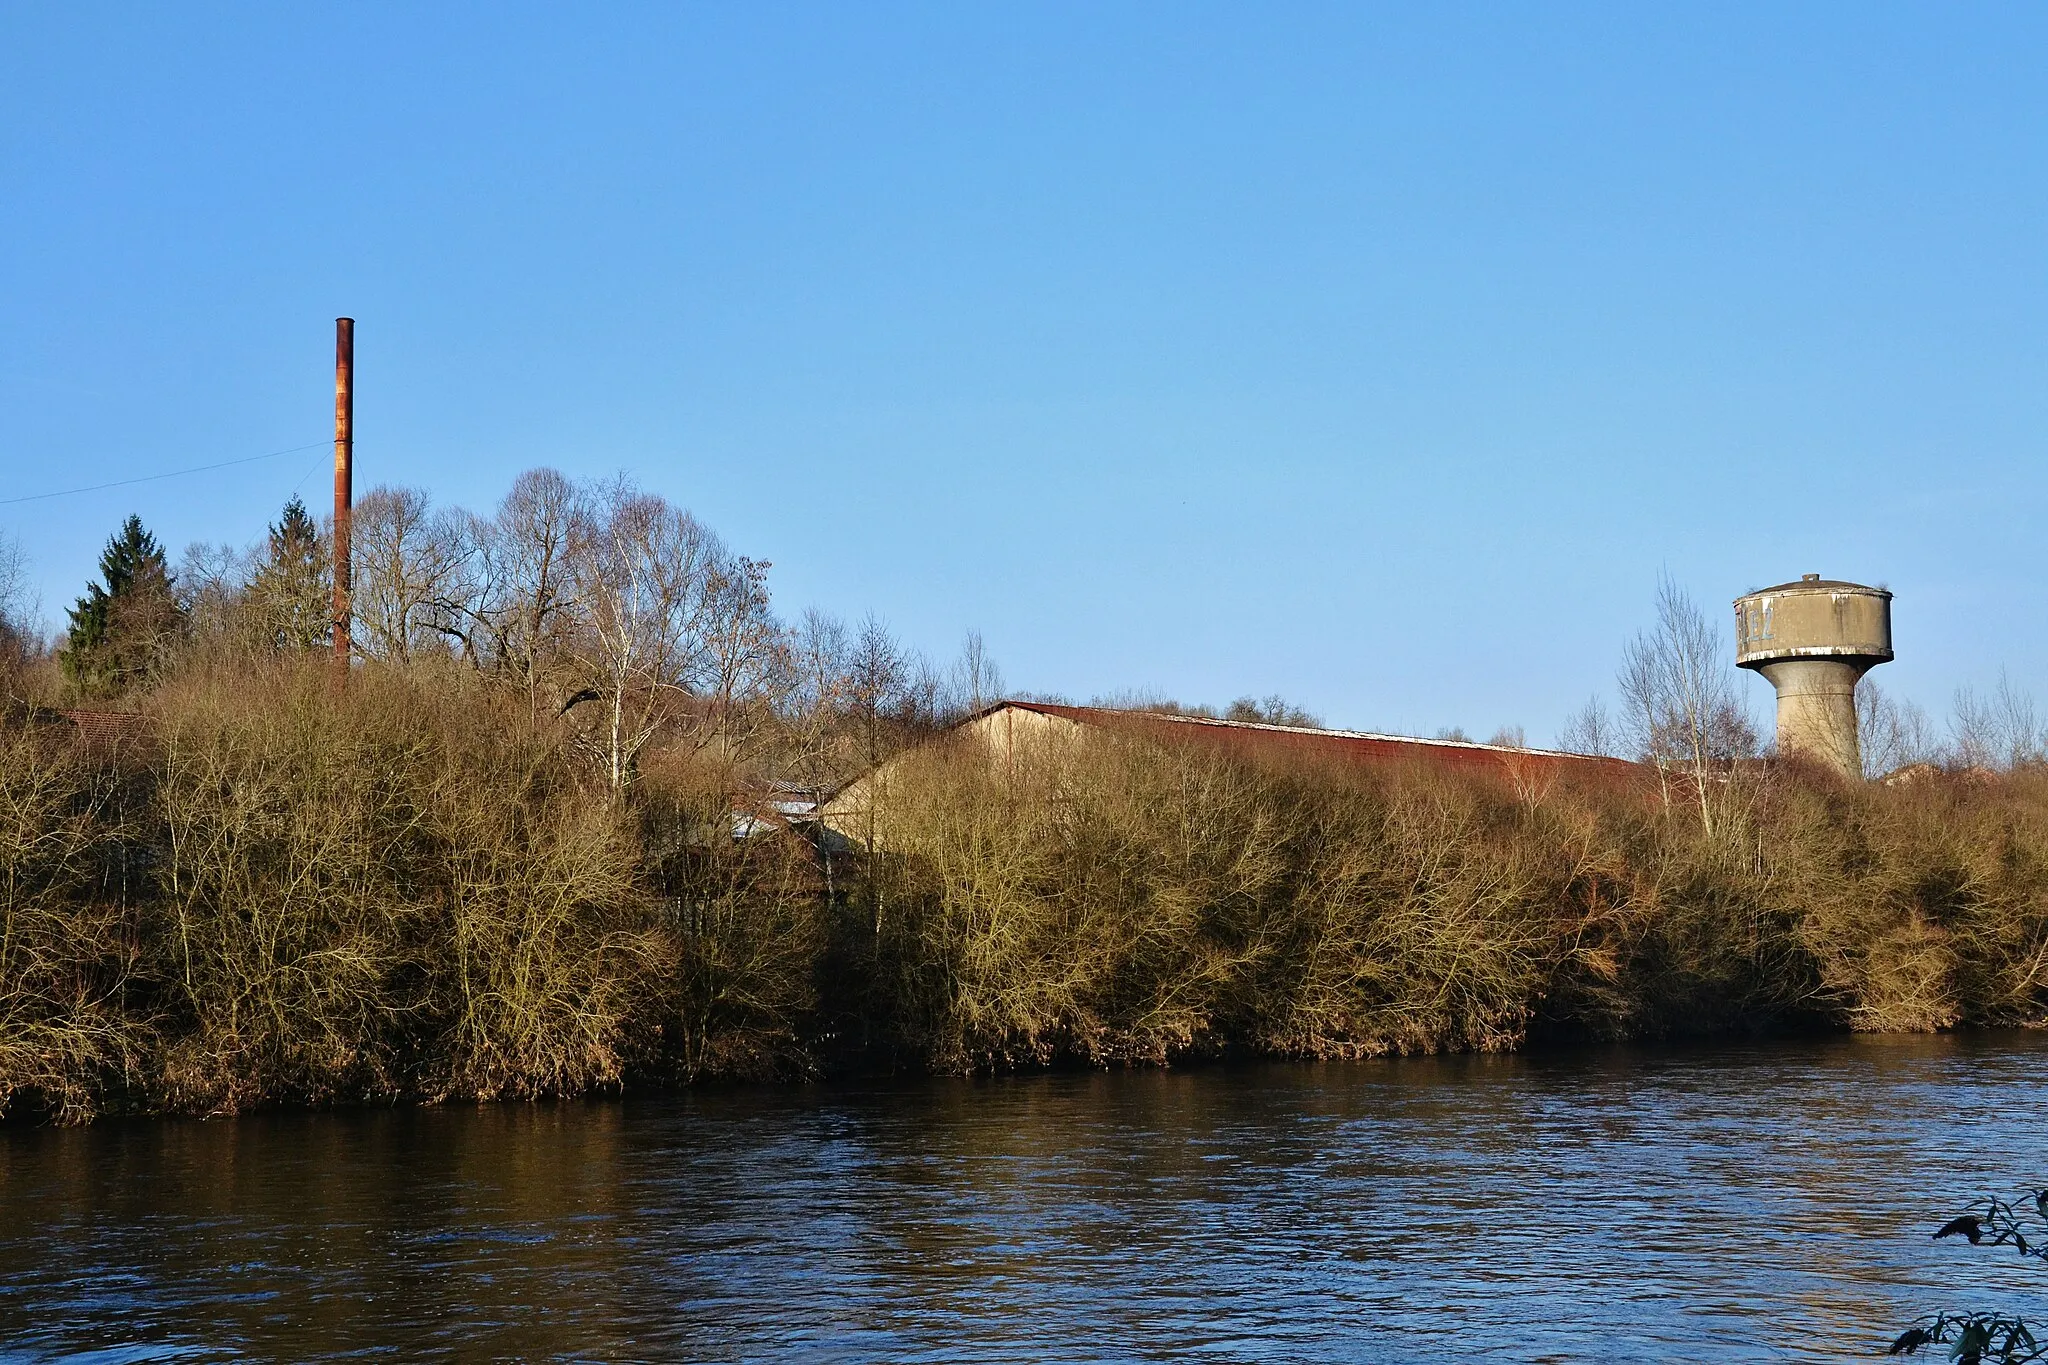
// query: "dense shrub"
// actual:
[[747, 921], [69, 1032], [1117, 901], [383, 892], [412, 888]]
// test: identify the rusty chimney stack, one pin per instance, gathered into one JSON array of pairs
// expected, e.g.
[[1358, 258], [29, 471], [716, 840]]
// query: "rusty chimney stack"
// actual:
[[344, 484]]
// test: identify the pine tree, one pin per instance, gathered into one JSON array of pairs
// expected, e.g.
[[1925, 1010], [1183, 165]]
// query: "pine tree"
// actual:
[[124, 625], [289, 591]]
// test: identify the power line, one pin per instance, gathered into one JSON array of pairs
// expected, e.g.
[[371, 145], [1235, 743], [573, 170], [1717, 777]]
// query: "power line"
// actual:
[[151, 478], [311, 470]]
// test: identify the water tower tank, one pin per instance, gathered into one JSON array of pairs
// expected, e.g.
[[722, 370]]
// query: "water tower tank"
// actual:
[[1813, 640]]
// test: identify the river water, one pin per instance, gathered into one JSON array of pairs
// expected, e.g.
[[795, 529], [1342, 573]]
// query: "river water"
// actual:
[[1765, 1202]]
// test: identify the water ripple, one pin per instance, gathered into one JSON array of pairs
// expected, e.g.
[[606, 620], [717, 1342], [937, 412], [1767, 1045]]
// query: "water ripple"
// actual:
[[1761, 1203]]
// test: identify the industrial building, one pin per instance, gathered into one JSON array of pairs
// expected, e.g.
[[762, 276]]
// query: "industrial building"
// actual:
[[1011, 729], [1813, 639]]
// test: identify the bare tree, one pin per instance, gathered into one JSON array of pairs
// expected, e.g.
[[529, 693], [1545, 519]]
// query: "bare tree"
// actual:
[[15, 599], [878, 678], [817, 693], [1999, 731], [639, 576], [977, 682], [677, 630], [1590, 731], [527, 606], [412, 584], [1683, 712], [1891, 734], [927, 701], [18, 634], [1273, 709], [737, 656], [211, 581]]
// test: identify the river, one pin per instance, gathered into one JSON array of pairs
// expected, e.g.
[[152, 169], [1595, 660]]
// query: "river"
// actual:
[[1754, 1202]]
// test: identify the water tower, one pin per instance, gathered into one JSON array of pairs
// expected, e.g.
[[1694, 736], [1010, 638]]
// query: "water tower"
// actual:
[[1813, 639]]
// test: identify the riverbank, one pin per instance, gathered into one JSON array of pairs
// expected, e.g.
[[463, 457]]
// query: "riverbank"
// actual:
[[276, 894]]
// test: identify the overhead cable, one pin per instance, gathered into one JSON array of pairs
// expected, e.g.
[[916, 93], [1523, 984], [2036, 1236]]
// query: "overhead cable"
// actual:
[[151, 478]]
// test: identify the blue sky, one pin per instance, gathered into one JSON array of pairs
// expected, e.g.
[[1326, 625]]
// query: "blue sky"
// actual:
[[1380, 357]]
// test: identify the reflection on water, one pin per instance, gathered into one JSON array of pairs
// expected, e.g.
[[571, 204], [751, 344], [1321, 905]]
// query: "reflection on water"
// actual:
[[1756, 1203]]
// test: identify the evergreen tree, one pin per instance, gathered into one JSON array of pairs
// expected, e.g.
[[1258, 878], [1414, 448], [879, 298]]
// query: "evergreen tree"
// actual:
[[289, 591], [124, 625]]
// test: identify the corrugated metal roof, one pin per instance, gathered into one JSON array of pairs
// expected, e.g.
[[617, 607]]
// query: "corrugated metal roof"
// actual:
[[1346, 745], [107, 727]]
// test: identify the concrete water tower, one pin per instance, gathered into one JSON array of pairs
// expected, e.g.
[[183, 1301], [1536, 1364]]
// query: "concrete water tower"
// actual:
[[1813, 639]]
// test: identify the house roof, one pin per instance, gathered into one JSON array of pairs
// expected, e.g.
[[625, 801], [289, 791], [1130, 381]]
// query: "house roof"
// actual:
[[1355, 746]]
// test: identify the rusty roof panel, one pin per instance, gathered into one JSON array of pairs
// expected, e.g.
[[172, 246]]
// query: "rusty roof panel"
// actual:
[[1356, 746]]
